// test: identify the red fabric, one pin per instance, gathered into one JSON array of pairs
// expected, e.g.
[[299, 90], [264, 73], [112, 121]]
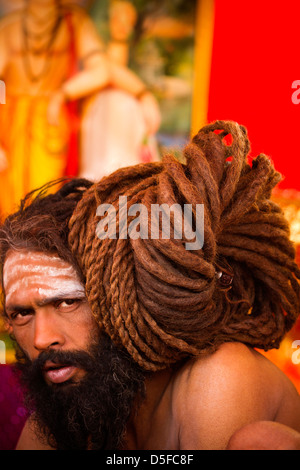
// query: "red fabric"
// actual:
[[255, 61], [12, 412]]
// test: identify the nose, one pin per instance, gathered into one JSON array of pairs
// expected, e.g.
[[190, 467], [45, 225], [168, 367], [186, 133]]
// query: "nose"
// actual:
[[46, 332]]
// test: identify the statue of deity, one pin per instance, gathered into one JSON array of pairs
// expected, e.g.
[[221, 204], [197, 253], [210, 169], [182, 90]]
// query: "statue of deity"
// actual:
[[51, 60]]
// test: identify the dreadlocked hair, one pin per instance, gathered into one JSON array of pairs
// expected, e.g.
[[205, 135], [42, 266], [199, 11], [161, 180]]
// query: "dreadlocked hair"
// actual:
[[41, 221], [163, 303]]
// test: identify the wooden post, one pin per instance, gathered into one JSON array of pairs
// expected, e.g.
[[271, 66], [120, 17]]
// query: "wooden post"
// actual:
[[202, 63]]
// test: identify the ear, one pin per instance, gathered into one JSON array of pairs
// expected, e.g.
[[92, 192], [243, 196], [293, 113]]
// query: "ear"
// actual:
[[7, 325], [9, 329]]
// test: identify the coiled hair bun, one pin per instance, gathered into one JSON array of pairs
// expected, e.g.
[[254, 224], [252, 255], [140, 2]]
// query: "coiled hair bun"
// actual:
[[162, 302]]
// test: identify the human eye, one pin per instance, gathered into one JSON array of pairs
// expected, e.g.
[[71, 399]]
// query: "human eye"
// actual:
[[21, 317], [68, 304]]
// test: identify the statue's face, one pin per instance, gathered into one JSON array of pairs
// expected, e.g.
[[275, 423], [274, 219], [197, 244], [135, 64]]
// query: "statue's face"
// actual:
[[9, 6], [43, 3]]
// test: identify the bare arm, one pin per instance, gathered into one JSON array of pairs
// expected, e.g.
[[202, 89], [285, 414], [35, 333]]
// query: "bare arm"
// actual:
[[265, 435], [228, 391], [98, 70], [98, 73]]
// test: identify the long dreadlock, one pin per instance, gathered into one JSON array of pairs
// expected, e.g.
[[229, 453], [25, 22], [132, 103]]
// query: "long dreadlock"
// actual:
[[163, 303]]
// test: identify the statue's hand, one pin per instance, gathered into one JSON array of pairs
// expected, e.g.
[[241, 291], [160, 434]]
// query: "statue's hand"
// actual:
[[55, 105], [3, 160], [151, 113]]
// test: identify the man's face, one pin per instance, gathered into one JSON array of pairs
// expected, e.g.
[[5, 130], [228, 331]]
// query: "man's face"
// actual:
[[81, 388], [47, 309]]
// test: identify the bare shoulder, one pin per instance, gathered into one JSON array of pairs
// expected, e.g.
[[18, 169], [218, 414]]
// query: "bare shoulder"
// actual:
[[78, 13], [29, 439], [10, 21], [232, 363], [237, 365], [224, 391], [87, 36]]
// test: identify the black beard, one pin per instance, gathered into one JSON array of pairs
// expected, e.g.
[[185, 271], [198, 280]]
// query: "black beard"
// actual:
[[91, 414]]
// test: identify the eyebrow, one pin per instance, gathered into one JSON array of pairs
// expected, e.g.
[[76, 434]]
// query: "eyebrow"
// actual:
[[47, 301]]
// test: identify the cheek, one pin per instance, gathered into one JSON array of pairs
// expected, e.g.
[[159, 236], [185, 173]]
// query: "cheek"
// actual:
[[83, 329], [24, 338], [91, 327]]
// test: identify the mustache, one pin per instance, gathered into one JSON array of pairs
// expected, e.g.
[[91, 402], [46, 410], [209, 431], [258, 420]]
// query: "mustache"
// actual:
[[77, 358], [92, 413]]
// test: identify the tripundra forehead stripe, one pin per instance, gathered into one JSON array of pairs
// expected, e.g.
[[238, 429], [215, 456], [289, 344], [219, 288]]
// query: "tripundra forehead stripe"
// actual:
[[50, 274], [28, 262], [11, 269], [58, 286], [35, 257]]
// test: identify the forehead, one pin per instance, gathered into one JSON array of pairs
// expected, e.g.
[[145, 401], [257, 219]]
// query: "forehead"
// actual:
[[31, 261], [27, 270]]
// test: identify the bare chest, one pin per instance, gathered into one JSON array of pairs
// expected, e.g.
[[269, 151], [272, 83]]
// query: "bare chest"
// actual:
[[43, 60], [155, 435], [157, 429], [23, 39]]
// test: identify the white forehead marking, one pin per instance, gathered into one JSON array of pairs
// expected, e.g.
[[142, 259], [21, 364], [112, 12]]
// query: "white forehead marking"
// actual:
[[38, 269], [52, 271], [42, 263]]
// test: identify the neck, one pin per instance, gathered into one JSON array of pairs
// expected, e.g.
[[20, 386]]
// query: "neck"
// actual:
[[139, 427], [42, 8]]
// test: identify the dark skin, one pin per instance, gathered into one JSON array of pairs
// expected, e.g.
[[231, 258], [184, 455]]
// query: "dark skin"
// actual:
[[200, 405], [265, 435]]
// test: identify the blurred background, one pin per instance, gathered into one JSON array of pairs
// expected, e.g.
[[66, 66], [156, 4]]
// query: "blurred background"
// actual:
[[202, 60]]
